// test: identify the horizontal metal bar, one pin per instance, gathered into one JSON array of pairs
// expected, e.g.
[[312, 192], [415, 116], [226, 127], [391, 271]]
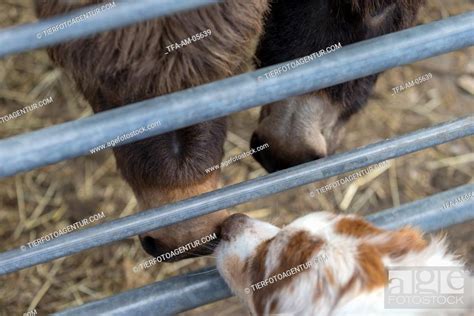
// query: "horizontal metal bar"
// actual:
[[233, 195], [30, 36], [188, 291], [234, 94], [438, 211], [168, 297]]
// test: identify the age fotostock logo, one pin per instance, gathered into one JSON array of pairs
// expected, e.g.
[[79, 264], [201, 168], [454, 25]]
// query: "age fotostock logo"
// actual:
[[427, 288]]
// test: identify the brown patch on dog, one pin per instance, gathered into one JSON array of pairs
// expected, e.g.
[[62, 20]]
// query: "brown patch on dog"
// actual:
[[257, 266], [329, 276], [273, 306], [356, 227], [319, 289], [299, 250], [369, 274], [257, 269], [402, 242], [348, 286], [371, 267], [246, 266], [234, 267]]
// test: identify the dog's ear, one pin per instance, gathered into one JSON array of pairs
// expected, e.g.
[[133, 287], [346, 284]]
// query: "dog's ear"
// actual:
[[392, 243], [401, 242], [357, 227]]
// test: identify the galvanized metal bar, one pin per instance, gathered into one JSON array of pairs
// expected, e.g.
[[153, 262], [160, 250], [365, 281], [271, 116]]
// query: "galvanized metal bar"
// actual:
[[31, 36], [235, 194], [438, 211], [234, 94], [168, 297], [185, 292]]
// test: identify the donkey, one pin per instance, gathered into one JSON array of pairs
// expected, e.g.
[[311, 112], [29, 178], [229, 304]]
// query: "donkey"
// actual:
[[123, 66], [131, 64], [311, 126]]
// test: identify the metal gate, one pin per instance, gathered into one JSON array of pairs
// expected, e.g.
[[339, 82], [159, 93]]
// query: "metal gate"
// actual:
[[215, 100]]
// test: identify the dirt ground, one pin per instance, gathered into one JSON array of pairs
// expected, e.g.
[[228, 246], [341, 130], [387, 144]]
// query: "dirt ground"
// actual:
[[42, 201]]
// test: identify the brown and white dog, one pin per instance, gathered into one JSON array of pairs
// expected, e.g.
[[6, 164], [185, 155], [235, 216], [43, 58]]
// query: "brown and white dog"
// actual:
[[326, 264]]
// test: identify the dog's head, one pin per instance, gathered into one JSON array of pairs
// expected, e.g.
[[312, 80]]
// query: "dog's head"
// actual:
[[314, 265], [241, 237]]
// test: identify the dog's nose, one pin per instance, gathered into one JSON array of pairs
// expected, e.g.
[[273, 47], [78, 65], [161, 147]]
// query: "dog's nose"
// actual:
[[273, 160], [232, 225]]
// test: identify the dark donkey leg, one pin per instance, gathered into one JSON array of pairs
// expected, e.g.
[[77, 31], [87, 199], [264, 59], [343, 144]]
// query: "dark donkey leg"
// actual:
[[310, 126], [123, 66]]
